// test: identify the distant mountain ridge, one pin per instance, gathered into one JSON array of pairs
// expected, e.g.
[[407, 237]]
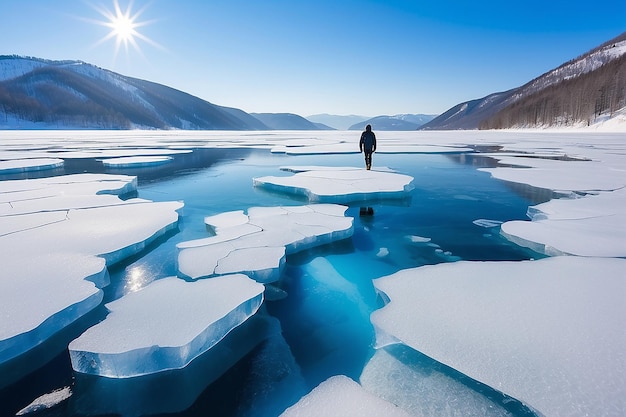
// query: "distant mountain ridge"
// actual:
[[397, 122], [470, 114], [574, 94], [79, 95], [340, 122], [288, 121]]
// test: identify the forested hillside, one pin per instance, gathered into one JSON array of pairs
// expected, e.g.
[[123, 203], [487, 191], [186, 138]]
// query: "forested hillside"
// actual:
[[579, 100], [74, 94], [581, 92]]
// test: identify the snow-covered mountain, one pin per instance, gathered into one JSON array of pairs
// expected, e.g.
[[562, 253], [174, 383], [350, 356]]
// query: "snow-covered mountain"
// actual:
[[288, 121], [469, 114], [340, 122], [576, 93], [73, 94], [397, 122]]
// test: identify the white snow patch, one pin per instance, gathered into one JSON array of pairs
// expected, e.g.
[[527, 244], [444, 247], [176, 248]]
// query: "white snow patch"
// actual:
[[548, 333], [340, 396]]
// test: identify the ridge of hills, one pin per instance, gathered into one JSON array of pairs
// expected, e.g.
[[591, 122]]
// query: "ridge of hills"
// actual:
[[580, 92]]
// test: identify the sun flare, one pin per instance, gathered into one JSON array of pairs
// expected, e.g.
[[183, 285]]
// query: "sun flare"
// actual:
[[123, 25]]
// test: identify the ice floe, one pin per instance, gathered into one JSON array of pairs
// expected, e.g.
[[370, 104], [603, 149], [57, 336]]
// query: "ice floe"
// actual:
[[256, 243], [423, 387], [46, 401], [342, 185], [57, 235], [546, 332], [165, 325], [549, 333], [593, 225], [558, 175], [176, 390], [23, 165], [340, 396], [136, 161]]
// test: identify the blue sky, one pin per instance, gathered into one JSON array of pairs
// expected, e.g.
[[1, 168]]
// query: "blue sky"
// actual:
[[308, 57]]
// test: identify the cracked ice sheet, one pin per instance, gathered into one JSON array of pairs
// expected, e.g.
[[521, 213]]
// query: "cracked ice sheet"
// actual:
[[56, 236], [559, 175], [341, 185], [340, 396], [593, 225], [165, 325], [256, 243], [549, 333]]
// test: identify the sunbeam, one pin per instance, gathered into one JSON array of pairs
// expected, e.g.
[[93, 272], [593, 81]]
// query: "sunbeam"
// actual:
[[124, 25]]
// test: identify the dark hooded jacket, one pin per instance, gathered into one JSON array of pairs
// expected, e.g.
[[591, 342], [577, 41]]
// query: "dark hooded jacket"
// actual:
[[368, 140]]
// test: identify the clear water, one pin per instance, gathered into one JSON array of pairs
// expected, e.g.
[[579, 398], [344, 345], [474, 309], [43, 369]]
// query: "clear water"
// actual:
[[325, 319]]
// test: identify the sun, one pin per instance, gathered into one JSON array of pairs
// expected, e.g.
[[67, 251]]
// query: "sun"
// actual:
[[123, 25], [124, 28]]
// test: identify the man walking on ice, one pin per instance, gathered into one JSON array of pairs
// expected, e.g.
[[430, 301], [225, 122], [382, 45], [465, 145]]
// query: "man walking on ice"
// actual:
[[367, 144]]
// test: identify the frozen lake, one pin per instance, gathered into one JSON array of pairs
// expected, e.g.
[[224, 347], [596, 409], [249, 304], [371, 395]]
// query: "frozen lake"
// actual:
[[317, 325]]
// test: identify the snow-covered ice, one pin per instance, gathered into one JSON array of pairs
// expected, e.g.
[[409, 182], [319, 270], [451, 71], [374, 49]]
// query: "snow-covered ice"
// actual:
[[549, 333], [418, 385], [559, 175], [256, 243], [136, 161], [593, 225], [23, 165], [342, 185], [340, 396], [590, 217], [176, 390], [165, 325], [57, 236]]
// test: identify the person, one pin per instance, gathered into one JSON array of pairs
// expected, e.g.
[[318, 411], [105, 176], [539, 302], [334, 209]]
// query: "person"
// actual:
[[367, 145]]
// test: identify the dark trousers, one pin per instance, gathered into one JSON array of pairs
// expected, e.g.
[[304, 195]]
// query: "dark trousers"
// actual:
[[368, 157]]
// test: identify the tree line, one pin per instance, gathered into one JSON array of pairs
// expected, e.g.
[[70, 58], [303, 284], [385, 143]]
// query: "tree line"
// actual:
[[58, 96], [578, 100]]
